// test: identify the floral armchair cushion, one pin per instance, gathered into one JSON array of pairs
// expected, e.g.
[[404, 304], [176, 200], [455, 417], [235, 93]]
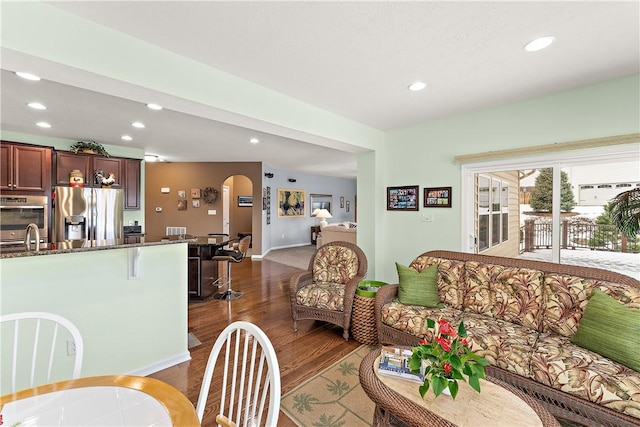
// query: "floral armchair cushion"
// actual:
[[329, 296], [334, 264]]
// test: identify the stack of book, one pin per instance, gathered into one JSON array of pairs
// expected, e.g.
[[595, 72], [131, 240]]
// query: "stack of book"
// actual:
[[394, 362]]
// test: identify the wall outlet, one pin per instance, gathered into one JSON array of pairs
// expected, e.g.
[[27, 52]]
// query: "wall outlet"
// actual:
[[427, 217], [158, 209], [71, 347]]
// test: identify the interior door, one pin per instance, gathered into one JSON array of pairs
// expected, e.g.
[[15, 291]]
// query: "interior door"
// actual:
[[225, 209]]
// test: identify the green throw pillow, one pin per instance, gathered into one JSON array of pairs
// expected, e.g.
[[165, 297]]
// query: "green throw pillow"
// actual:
[[418, 288], [610, 329]]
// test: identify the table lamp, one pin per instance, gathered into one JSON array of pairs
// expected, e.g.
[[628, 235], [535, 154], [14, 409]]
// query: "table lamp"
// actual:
[[323, 214]]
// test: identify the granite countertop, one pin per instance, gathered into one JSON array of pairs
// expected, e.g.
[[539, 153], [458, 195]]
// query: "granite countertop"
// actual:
[[72, 246]]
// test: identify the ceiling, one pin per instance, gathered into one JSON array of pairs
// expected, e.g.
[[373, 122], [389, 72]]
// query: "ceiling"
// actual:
[[354, 59]]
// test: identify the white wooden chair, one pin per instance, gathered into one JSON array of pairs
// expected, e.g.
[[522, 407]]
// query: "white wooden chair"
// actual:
[[37, 344], [250, 378]]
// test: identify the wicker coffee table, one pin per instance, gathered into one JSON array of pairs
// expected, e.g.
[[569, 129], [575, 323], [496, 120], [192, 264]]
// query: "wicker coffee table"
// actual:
[[398, 402]]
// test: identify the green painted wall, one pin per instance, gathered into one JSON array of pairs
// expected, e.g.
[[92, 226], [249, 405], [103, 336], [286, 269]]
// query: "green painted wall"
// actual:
[[128, 326], [424, 155]]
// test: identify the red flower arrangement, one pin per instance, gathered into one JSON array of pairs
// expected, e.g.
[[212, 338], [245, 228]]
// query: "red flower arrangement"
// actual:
[[448, 358]]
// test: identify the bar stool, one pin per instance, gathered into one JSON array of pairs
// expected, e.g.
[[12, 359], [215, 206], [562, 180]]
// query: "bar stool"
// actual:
[[231, 256]]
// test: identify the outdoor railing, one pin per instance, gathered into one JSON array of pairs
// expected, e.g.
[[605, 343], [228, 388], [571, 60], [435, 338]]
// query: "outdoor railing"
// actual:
[[576, 235]]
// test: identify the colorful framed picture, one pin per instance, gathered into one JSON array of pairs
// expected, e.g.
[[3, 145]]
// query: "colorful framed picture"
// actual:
[[402, 198], [245, 201], [291, 203], [437, 197]]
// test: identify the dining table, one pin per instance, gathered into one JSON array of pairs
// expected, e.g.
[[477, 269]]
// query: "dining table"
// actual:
[[110, 400]]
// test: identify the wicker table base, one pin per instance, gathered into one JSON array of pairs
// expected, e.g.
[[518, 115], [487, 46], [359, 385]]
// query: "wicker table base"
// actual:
[[363, 322], [394, 408]]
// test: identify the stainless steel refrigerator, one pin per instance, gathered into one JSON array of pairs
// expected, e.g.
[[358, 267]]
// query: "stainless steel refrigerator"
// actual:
[[87, 214]]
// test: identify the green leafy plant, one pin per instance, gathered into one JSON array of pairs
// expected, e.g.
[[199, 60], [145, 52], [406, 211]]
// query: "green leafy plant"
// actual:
[[81, 146], [448, 359], [624, 211]]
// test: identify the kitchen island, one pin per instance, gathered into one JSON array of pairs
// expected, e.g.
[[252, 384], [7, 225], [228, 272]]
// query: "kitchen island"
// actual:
[[127, 297]]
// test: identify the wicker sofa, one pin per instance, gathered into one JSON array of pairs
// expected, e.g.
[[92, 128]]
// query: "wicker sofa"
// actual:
[[521, 316]]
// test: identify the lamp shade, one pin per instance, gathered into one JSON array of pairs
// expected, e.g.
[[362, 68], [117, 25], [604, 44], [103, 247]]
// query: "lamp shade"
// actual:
[[323, 213]]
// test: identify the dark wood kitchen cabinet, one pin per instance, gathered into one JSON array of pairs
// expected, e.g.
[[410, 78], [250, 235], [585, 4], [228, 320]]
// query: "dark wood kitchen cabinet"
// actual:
[[87, 164], [127, 173], [131, 184], [25, 168]]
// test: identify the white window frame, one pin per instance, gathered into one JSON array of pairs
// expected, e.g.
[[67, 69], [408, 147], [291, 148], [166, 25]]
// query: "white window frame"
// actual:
[[556, 161]]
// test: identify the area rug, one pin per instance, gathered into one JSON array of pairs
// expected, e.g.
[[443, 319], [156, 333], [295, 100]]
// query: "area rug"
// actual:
[[333, 397], [297, 256]]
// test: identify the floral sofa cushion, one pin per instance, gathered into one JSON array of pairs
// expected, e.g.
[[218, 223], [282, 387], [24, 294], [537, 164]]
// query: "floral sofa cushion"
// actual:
[[511, 294], [450, 278], [565, 298], [335, 264], [412, 318], [502, 344], [565, 366], [329, 296]]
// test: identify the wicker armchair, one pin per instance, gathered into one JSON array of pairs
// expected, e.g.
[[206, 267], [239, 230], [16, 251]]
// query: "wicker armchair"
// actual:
[[326, 290]]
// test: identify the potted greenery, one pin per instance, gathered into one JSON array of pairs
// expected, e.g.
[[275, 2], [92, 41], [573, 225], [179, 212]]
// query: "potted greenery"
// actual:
[[90, 147], [448, 358]]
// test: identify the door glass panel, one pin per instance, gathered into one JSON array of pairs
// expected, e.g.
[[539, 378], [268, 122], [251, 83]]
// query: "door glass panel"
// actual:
[[483, 213]]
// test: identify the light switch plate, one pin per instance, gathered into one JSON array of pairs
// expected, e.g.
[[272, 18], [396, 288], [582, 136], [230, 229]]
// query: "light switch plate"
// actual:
[[211, 212], [158, 209], [165, 190]]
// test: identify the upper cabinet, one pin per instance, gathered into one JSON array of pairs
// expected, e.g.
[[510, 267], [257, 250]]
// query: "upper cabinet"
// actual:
[[25, 168], [125, 171]]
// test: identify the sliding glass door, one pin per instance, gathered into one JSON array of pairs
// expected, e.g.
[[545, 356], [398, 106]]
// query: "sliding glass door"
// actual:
[[552, 208]]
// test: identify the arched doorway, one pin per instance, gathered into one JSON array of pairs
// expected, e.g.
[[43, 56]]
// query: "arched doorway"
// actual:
[[240, 205]]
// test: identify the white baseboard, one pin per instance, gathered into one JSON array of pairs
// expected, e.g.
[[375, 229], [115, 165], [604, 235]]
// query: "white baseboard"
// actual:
[[163, 364], [279, 247]]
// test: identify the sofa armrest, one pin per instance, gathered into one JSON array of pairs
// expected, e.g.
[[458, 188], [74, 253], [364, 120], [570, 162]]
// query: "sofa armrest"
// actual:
[[384, 295], [297, 281]]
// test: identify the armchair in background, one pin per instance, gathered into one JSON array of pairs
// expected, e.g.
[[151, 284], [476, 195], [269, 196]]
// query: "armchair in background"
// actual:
[[326, 290]]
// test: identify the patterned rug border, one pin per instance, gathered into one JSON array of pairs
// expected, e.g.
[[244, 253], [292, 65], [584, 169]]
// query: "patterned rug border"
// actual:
[[360, 351]]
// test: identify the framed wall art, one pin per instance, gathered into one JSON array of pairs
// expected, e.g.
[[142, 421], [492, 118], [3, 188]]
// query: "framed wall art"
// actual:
[[437, 197], [402, 198], [245, 201], [182, 204], [268, 203], [195, 203], [291, 203], [195, 193]]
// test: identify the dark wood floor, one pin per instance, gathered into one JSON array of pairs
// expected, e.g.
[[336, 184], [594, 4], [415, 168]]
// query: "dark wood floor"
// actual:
[[265, 303]]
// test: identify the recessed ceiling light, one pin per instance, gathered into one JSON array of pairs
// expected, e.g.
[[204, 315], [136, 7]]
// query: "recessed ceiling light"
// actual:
[[27, 76], [137, 125], [416, 86], [539, 44], [154, 106], [150, 158], [126, 137], [43, 124], [254, 140], [37, 106]]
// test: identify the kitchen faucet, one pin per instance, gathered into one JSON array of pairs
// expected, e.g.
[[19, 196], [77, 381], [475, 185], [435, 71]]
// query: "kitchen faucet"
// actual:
[[27, 237]]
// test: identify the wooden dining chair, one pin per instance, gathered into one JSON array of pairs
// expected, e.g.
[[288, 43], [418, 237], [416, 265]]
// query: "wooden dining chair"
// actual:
[[38, 345], [244, 362]]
